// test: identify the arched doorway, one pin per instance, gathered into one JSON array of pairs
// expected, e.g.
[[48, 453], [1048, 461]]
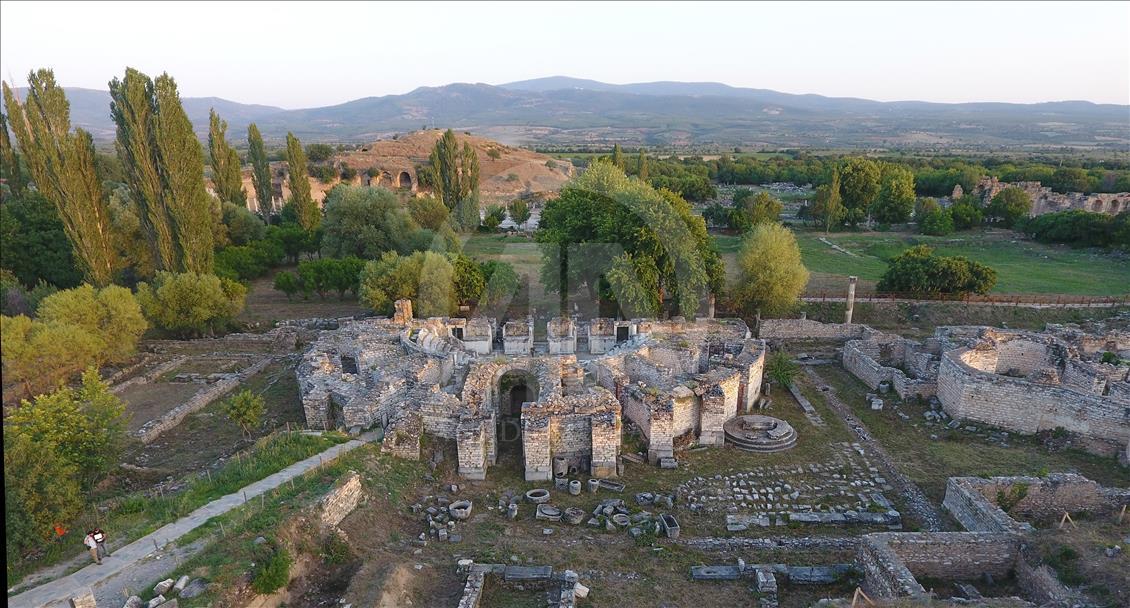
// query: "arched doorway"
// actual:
[[515, 387], [404, 180]]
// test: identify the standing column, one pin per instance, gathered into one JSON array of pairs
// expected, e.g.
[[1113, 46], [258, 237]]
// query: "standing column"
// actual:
[[850, 299]]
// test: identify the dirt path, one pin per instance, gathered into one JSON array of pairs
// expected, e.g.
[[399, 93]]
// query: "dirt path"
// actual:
[[133, 560], [922, 510]]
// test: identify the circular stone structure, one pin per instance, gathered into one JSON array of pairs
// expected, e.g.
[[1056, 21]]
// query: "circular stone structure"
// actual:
[[756, 433]]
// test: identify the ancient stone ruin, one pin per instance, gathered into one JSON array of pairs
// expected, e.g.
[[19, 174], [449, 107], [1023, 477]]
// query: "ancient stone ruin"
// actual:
[[1046, 201], [678, 381]]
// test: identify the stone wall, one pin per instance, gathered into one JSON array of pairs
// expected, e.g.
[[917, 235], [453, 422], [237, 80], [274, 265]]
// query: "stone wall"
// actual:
[[891, 561], [876, 360], [1020, 405], [205, 396], [807, 329], [1046, 201], [973, 500], [147, 376], [341, 500]]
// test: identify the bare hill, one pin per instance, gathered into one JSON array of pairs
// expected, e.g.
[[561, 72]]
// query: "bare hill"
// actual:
[[504, 171]]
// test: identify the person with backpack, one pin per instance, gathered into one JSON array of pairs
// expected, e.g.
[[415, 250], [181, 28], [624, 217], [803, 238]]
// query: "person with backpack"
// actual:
[[100, 538], [92, 544]]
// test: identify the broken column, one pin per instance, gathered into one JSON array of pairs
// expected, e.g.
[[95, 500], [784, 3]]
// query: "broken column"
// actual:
[[402, 312], [850, 299]]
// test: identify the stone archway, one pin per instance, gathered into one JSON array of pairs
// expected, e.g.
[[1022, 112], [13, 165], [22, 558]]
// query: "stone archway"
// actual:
[[404, 180], [512, 388]]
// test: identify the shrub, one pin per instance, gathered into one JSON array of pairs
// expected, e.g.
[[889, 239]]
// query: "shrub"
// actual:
[[494, 216], [323, 173], [1009, 206], [243, 225], [288, 283], [274, 574], [965, 215], [111, 315], [246, 409], [919, 270], [938, 222], [781, 368], [189, 304]]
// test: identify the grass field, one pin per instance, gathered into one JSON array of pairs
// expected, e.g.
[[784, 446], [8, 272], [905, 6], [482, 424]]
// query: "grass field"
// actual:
[[1022, 266]]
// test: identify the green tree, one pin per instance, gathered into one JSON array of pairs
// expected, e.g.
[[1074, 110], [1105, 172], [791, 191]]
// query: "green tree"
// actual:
[[493, 217], [602, 214], [453, 175], [86, 424], [965, 215], [501, 284], [772, 288], [227, 175], [827, 207], [243, 226], [919, 270], [469, 279], [190, 304], [641, 166], [895, 200], [164, 165], [760, 208], [110, 314], [308, 216], [34, 243], [429, 212], [519, 212], [1009, 206], [288, 283], [9, 160], [859, 186], [319, 153], [40, 356], [618, 157], [426, 278], [1071, 179], [61, 164], [260, 169], [366, 222], [41, 489], [246, 410], [936, 222]]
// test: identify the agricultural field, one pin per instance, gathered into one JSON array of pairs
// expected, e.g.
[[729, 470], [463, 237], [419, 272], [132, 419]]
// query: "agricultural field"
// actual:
[[1022, 266]]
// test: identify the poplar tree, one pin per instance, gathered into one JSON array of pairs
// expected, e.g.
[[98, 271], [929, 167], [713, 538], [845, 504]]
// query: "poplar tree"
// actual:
[[226, 174], [61, 164], [9, 160], [165, 169], [618, 157], [300, 184], [642, 165], [453, 172], [260, 169]]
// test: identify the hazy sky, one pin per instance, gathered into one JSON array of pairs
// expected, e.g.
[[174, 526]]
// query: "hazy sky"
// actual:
[[299, 55]]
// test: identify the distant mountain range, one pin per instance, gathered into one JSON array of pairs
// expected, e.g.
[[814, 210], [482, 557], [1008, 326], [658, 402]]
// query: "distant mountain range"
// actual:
[[575, 112]]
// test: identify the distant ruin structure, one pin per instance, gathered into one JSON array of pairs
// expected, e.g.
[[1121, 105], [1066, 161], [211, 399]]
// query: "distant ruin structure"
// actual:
[[1046, 201]]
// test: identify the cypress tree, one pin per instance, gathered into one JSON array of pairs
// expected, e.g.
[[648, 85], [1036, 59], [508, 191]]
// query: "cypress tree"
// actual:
[[226, 174], [164, 165], [260, 169], [642, 166], [300, 184], [61, 164], [618, 157], [9, 160]]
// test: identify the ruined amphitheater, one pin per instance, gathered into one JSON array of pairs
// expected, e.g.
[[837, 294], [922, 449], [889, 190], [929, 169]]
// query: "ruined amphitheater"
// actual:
[[486, 388]]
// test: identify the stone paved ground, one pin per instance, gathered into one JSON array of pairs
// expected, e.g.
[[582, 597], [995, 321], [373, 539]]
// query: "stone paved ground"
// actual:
[[920, 507], [147, 549]]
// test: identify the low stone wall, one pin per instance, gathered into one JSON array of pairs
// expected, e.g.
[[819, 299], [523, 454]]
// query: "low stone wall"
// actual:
[[973, 500], [974, 512], [891, 561], [153, 429], [862, 358], [148, 376], [341, 500], [807, 329]]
